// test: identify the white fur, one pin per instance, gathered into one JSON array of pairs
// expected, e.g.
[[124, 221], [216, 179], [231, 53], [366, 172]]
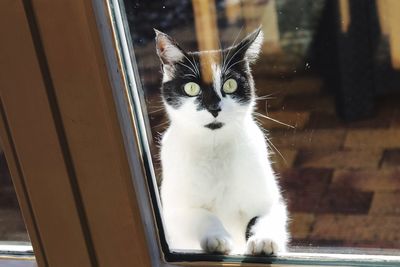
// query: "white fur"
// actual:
[[166, 49], [214, 182], [217, 79], [254, 50], [168, 73]]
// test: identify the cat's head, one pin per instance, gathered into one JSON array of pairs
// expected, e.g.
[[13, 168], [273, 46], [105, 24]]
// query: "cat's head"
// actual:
[[208, 89]]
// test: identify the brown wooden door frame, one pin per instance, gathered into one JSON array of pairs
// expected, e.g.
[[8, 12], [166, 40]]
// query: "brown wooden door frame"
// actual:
[[62, 138]]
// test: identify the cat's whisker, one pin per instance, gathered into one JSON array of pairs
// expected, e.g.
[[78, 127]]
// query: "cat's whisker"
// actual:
[[193, 65], [233, 56], [163, 123], [237, 62], [183, 64], [234, 43], [277, 150], [196, 66], [274, 120], [155, 106], [189, 75], [221, 51], [266, 97], [271, 94], [156, 111]]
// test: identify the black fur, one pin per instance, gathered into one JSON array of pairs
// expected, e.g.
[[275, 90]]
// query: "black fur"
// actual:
[[251, 223], [214, 125]]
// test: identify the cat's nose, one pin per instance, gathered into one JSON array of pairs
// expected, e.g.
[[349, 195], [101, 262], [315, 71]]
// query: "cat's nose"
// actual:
[[214, 109], [215, 112]]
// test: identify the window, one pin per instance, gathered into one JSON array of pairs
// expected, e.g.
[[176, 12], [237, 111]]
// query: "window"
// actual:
[[79, 124], [329, 162], [14, 238]]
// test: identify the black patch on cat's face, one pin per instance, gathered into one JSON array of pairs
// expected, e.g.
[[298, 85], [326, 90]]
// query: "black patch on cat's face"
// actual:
[[181, 67], [208, 99], [239, 70], [214, 125]]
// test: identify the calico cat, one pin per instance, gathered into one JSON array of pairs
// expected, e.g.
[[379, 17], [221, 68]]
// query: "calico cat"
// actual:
[[218, 191]]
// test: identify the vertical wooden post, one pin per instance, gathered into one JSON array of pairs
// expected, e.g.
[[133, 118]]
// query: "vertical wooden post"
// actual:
[[251, 11], [269, 22], [232, 10], [393, 20], [206, 24], [207, 33], [383, 11], [344, 15]]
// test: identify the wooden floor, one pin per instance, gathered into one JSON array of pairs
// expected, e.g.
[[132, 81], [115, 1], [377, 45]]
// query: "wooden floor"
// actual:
[[341, 180]]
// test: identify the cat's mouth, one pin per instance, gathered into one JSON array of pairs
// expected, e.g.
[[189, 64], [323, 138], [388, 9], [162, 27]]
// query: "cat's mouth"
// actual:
[[214, 125]]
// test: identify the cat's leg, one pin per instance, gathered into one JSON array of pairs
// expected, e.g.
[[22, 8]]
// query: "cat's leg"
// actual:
[[269, 235], [186, 226]]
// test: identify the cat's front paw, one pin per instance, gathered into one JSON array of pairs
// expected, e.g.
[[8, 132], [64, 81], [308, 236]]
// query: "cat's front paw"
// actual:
[[262, 246], [217, 243]]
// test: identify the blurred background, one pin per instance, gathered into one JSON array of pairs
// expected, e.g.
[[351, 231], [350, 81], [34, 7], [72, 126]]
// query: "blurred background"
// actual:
[[12, 227], [331, 69]]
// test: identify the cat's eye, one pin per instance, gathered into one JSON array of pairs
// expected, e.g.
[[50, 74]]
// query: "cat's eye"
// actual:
[[230, 86], [192, 89]]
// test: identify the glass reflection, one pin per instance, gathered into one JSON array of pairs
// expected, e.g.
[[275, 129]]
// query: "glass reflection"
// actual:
[[12, 227], [331, 70]]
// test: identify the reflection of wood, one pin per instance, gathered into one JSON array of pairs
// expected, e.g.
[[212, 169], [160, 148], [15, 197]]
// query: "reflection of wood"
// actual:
[[393, 21], [269, 23], [206, 24], [206, 31], [344, 15], [383, 11], [390, 27], [232, 10], [251, 12]]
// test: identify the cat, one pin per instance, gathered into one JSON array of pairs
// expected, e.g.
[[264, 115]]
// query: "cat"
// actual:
[[218, 191]]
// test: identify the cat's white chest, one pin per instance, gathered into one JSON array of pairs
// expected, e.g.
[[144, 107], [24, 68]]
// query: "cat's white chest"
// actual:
[[228, 178]]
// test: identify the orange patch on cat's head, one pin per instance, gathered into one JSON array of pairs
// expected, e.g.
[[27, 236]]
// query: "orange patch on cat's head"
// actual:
[[208, 59]]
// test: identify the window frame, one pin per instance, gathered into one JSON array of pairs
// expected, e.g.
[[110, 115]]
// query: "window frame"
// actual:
[[327, 257], [71, 91], [56, 86]]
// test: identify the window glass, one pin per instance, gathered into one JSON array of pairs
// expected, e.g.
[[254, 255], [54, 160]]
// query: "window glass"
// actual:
[[12, 227], [327, 81]]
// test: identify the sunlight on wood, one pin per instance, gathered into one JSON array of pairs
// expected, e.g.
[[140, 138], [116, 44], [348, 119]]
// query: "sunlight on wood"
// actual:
[[344, 15], [269, 24], [393, 6], [206, 31]]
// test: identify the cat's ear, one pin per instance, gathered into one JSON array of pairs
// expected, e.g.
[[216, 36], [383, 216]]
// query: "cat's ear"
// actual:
[[168, 50], [250, 47]]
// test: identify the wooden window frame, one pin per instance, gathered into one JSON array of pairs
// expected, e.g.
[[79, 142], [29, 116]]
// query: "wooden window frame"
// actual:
[[69, 130], [58, 112]]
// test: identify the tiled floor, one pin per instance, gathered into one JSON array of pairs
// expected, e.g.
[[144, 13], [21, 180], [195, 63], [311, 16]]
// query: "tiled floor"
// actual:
[[341, 180]]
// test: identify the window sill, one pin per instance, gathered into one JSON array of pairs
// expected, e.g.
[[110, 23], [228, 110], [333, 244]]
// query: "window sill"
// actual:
[[298, 257]]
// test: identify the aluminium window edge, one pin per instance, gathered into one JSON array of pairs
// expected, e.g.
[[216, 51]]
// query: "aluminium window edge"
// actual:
[[110, 41]]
